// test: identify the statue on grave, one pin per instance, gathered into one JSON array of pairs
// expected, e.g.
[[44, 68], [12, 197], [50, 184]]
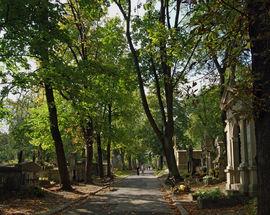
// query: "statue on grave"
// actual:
[[219, 160]]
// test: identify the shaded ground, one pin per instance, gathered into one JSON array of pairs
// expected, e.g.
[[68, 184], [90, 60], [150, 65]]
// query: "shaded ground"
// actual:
[[53, 198], [192, 209], [135, 195]]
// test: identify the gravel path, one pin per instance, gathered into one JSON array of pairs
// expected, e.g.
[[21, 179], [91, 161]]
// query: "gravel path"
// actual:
[[134, 195]]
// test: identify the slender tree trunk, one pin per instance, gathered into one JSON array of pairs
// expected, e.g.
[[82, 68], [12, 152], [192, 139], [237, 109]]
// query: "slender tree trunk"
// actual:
[[161, 162], [122, 155], [129, 162], [170, 159], [88, 137], [20, 156], [59, 148], [43, 21], [34, 156], [109, 171], [259, 31], [164, 138], [99, 152], [223, 117], [40, 155]]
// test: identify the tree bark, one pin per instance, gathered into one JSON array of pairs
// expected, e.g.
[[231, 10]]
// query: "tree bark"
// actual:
[[160, 162], [122, 155], [170, 159], [88, 137], [129, 162], [59, 148], [259, 31], [40, 155], [20, 156], [109, 171], [223, 117], [99, 152]]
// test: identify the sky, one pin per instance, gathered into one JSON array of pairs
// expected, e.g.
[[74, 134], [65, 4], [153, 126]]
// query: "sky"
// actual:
[[114, 10]]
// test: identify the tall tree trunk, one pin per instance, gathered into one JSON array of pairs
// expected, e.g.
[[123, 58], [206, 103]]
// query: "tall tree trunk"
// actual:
[[88, 137], [165, 137], [99, 152], [109, 171], [58, 143], [40, 155], [168, 87], [161, 162], [223, 117], [122, 155], [259, 31], [170, 159], [129, 162], [43, 21], [20, 156]]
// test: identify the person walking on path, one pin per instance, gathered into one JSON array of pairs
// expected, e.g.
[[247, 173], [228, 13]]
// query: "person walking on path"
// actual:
[[138, 170]]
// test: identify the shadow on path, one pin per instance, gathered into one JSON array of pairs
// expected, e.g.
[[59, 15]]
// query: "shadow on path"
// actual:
[[135, 195]]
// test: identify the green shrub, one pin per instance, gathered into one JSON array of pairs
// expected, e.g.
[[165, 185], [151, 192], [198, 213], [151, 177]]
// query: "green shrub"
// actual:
[[208, 179], [209, 194]]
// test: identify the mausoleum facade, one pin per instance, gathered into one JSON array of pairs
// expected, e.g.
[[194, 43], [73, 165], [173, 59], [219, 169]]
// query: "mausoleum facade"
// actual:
[[241, 145]]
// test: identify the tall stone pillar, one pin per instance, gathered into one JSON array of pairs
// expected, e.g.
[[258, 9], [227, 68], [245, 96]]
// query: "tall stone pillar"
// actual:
[[251, 141], [229, 168], [243, 167]]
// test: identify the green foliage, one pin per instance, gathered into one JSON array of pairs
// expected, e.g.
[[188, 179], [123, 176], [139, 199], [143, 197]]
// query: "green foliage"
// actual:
[[38, 121], [205, 116], [90, 68], [212, 194]]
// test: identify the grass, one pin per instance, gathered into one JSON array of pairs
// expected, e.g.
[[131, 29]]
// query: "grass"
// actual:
[[123, 173], [160, 173]]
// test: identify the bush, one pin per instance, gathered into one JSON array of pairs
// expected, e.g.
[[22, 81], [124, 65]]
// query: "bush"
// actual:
[[216, 199], [208, 179], [209, 194]]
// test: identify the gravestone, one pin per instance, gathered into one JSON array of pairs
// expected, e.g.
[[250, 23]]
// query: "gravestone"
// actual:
[[219, 164], [29, 173]]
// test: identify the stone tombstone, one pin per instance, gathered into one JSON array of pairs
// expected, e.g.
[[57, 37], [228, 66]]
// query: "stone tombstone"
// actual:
[[10, 178], [30, 173], [72, 166], [188, 160], [219, 162]]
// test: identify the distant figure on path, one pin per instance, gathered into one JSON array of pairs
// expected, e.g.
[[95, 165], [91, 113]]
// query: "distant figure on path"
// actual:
[[138, 170], [142, 168]]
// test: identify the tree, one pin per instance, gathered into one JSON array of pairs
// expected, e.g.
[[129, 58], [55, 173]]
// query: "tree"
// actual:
[[222, 32], [32, 31], [163, 44], [204, 113], [259, 32]]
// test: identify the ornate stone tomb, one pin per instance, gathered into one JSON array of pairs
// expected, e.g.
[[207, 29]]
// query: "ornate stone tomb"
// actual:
[[241, 145]]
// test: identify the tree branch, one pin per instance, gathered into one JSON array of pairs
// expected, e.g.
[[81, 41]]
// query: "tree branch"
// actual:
[[178, 4], [138, 70], [187, 63], [158, 91]]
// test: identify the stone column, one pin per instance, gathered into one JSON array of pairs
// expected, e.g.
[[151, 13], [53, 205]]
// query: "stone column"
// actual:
[[243, 167], [229, 167], [251, 141]]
